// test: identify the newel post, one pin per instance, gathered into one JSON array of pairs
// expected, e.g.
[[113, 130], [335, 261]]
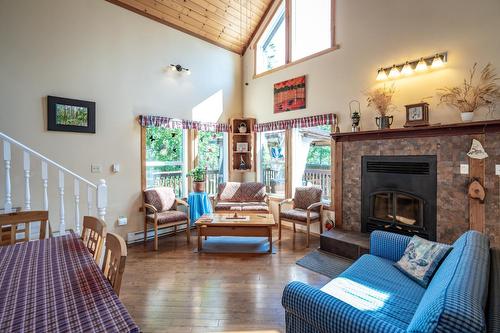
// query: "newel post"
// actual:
[[102, 198]]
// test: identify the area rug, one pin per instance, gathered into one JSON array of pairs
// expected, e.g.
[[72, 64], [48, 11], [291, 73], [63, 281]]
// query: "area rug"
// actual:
[[224, 244], [325, 263]]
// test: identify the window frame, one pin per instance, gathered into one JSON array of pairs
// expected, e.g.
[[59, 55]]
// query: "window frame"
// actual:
[[288, 38]]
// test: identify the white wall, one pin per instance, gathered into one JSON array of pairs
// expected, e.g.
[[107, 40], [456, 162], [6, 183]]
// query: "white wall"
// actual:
[[94, 50], [372, 34]]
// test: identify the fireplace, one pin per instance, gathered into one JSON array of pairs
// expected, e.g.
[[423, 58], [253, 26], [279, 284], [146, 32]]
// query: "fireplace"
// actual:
[[399, 194]]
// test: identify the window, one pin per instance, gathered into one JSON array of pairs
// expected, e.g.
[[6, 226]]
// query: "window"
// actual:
[[311, 164], [165, 159], [272, 161], [271, 47], [211, 148], [311, 27], [309, 31]]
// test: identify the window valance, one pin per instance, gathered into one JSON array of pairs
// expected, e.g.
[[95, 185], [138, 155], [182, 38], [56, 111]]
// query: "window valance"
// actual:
[[311, 121], [167, 122]]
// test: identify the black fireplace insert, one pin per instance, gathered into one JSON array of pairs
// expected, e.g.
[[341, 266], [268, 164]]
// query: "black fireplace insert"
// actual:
[[399, 194]]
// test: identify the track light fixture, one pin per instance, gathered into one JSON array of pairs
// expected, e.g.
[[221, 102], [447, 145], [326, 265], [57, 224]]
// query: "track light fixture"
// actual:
[[414, 66]]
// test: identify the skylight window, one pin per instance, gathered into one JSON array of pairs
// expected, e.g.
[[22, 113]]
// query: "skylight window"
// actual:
[[271, 47]]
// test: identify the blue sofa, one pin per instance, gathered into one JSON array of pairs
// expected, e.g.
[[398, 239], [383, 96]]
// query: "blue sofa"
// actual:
[[374, 296]]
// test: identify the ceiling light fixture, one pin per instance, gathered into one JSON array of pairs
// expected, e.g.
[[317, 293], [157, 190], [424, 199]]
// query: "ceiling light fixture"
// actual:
[[411, 67]]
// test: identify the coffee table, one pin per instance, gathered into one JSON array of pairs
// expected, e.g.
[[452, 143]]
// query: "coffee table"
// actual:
[[255, 225]]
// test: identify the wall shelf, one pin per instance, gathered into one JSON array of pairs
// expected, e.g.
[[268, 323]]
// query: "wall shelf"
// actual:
[[236, 156]]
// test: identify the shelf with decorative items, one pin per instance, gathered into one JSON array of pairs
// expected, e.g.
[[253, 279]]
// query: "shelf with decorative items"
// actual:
[[242, 145]]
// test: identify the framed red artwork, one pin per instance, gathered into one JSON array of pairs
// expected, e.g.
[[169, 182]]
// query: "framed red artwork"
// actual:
[[290, 95]]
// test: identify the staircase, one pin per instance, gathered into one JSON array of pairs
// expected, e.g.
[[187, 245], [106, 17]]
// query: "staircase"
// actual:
[[67, 182]]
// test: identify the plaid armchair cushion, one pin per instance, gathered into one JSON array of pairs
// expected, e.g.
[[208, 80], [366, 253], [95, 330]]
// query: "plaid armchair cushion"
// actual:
[[306, 196], [162, 198], [299, 215], [169, 216]]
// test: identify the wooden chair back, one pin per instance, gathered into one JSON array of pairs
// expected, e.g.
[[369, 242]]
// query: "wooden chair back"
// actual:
[[113, 265], [18, 223], [93, 234]]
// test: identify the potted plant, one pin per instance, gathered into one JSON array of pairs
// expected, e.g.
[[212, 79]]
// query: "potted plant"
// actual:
[[381, 99], [470, 95], [198, 175]]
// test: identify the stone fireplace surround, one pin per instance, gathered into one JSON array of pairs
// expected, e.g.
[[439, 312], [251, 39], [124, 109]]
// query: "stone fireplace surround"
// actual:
[[450, 143]]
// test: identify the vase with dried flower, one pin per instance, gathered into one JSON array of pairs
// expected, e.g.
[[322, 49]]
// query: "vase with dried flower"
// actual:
[[381, 100], [473, 94]]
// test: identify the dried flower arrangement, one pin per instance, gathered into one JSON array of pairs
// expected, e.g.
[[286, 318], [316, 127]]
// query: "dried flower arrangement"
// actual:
[[472, 96], [381, 99]]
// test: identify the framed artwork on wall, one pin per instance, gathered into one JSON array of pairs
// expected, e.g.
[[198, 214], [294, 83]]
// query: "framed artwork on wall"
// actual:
[[70, 115], [290, 95]]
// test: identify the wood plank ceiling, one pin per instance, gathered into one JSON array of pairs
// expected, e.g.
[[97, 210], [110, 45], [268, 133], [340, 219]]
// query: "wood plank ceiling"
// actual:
[[227, 23]]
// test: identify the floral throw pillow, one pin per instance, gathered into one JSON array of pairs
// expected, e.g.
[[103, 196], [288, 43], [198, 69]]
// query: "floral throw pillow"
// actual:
[[421, 259]]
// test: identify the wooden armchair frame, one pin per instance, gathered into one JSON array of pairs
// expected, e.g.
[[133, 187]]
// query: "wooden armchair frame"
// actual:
[[157, 226], [113, 264], [93, 235], [307, 223]]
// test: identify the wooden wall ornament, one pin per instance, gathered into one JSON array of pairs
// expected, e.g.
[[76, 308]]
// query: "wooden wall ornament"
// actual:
[[477, 151], [476, 191]]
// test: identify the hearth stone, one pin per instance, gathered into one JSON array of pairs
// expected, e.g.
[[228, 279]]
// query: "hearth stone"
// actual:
[[345, 243]]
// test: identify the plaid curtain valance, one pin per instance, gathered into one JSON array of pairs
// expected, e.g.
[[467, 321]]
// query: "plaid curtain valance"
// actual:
[[167, 122], [311, 121]]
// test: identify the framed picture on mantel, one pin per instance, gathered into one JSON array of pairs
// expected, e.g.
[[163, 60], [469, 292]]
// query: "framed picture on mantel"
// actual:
[[70, 115], [290, 95]]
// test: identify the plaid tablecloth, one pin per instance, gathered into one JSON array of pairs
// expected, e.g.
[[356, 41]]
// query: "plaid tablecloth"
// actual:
[[54, 285]]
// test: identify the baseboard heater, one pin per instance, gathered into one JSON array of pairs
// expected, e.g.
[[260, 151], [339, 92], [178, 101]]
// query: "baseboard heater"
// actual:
[[138, 236]]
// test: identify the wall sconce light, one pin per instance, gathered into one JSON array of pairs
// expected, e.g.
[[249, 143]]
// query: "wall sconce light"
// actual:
[[410, 67], [179, 69]]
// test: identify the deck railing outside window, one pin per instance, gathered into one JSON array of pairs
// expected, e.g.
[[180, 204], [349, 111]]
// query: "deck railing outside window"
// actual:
[[174, 179]]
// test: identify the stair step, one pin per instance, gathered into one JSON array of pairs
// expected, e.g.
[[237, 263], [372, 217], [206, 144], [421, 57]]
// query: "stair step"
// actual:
[[345, 243]]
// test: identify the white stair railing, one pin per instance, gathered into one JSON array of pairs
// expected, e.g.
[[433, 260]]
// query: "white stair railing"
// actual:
[[99, 189]]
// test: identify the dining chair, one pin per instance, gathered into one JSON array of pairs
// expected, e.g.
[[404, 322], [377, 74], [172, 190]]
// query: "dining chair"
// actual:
[[14, 224], [306, 209], [115, 255], [93, 234]]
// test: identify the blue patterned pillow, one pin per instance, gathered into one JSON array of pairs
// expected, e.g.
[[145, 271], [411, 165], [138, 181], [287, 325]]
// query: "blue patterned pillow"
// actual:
[[421, 259]]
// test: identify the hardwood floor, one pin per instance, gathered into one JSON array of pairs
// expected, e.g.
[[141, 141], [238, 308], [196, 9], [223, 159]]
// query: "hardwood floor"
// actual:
[[176, 290]]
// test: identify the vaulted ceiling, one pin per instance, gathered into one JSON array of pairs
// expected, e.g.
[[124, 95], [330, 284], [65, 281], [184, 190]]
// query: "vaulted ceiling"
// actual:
[[226, 23]]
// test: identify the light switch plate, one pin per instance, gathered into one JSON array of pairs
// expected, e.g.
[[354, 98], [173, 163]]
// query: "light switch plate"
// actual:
[[116, 167], [497, 169], [122, 220], [464, 169], [95, 168]]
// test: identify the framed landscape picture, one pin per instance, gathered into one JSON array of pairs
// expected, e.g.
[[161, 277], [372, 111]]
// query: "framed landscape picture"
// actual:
[[70, 115], [290, 95]]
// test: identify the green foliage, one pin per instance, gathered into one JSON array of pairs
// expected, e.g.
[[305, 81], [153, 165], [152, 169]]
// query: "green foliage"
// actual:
[[164, 144], [198, 174], [210, 150], [319, 156], [71, 115]]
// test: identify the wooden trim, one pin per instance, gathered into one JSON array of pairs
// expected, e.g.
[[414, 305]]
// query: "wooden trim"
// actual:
[[288, 163], [309, 57], [288, 31], [479, 127], [477, 212], [143, 158], [337, 183]]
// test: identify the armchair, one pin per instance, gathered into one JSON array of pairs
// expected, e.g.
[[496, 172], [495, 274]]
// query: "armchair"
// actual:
[[160, 206], [306, 209]]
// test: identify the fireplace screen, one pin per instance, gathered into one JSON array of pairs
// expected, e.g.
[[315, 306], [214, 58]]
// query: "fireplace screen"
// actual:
[[397, 207]]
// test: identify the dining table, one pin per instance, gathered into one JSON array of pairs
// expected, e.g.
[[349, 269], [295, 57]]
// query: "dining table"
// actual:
[[54, 285]]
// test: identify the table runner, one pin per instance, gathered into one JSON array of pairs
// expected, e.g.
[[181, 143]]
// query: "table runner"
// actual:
[[54, 285]]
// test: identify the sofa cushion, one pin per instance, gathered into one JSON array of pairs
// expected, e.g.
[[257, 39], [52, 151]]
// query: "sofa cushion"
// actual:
[[306, 196], [225, 206], [373, 285], [229, 192], [255, 207], [162, 198], [253, 191], [456, 297], [169, 216], [299, 215], [421, 259]]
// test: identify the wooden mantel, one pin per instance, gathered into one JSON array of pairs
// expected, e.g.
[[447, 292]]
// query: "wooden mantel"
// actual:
[[477, 127]]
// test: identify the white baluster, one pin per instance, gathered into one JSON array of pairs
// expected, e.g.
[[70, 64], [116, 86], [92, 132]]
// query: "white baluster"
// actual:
[[27, 193], [77, 205], [62, 225], [8, 195], [89, 199], [102, 198], [45, 184]]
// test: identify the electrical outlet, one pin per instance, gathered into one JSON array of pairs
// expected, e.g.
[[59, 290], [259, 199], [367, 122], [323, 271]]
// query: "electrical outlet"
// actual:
[[497, 169], [95, 168], [464, 169], [122, 220]]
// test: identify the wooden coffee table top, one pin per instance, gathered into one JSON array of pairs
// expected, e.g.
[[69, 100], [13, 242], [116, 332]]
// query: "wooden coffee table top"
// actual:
[[256, 220]]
